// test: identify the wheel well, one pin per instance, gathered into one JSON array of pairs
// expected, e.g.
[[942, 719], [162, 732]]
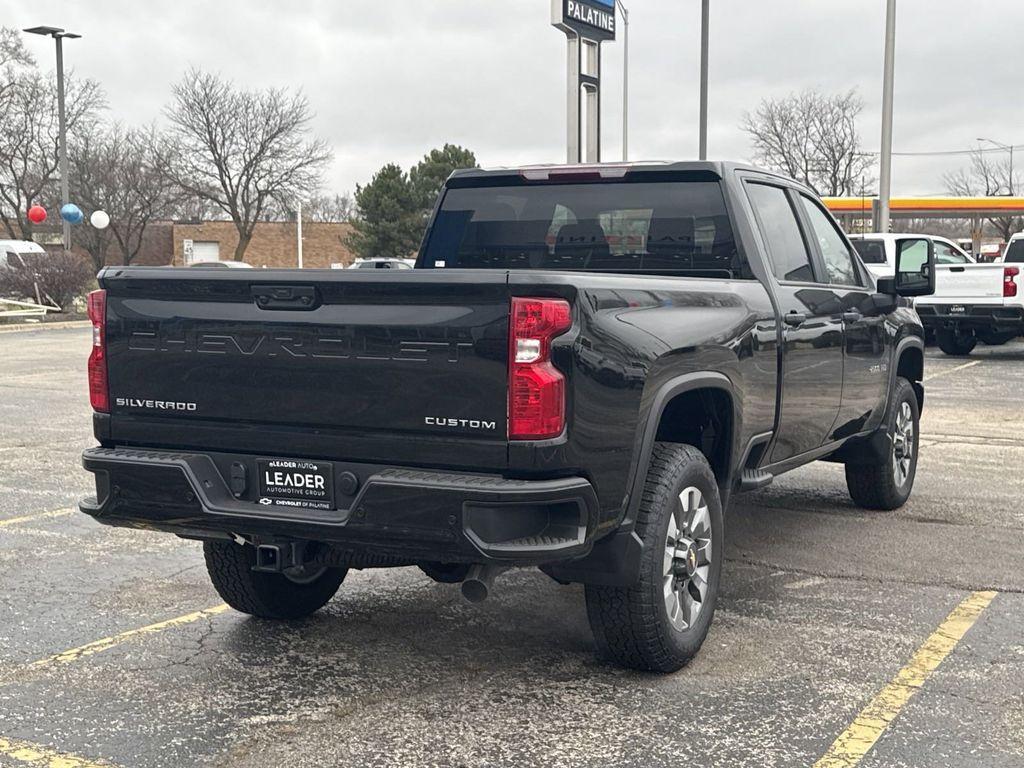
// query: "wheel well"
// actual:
[[911, 368], [702, 418]]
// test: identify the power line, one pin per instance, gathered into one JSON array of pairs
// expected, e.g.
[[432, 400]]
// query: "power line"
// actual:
[[946, 152]]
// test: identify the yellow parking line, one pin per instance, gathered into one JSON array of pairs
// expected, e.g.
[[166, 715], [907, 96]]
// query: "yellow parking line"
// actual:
[[44, 757], [952, 370], [37, 516], [66, 657], [857, 740]]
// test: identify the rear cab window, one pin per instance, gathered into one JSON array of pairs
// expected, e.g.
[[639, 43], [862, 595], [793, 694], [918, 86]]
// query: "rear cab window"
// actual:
[[1015, 252], [672, 227], [871, 251]]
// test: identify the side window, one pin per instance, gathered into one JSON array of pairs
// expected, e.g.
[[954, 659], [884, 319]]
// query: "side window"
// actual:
[[837, 255], [871, 251], [1014, 252], [944, 254], [778, 224]]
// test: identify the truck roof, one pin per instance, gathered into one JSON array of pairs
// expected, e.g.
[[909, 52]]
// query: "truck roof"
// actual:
[[611, 170], [22, 246]]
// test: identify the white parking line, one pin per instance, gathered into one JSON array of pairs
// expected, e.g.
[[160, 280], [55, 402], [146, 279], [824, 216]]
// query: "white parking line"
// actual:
[[38, 516], [953, 370]]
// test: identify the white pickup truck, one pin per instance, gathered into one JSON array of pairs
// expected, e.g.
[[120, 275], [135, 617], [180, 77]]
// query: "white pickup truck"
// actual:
[[878, 251], [972, 302]]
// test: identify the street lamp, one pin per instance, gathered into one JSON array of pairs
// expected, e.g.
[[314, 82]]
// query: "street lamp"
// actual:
[[625, 78], [705, 17], [58, 35], [1009, 148], [885, 156]]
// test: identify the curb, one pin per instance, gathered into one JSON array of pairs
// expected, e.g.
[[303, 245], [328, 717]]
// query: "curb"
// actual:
[[41, 326]]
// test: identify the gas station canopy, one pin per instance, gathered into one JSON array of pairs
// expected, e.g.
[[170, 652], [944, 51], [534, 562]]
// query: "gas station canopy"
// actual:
[[930, 207]]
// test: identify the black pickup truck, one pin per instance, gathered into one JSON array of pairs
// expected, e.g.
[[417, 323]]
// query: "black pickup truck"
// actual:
[[585, 365]]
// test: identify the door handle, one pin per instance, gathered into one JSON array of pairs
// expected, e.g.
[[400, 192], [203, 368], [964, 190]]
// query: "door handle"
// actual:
[[852, 317], [794, 318]]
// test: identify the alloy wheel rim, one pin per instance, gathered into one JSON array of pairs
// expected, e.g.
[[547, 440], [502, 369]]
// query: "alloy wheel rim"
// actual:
[[903, 444], [687, 559]]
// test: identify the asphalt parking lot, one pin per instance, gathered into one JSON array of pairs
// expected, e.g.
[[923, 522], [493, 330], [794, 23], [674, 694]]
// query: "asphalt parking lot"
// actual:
[[832, 624]]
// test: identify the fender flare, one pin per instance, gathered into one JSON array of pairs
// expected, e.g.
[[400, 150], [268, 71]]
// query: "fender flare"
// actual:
[[615, 559], [644, 447], [907, 342]]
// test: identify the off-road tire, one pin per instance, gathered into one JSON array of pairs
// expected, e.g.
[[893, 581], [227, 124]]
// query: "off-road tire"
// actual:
[[266, 595], [955, 345], [873, 484], [631, 625]]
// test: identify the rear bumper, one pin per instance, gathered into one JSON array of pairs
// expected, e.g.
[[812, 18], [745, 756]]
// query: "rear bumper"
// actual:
[[976, 317], [406, 514]]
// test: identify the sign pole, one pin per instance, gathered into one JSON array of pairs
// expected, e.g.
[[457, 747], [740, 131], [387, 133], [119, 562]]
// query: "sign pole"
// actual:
[[586, 24], [573, 100]]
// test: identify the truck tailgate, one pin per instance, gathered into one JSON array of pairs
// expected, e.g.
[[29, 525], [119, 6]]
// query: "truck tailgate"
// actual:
[[968, 283], [419, 354]]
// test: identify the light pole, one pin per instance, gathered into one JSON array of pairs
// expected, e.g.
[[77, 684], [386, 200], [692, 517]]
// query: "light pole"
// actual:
[[885, 167], [705, 18], [625, 78], [298, 234], [58, 35], [1009, 148]]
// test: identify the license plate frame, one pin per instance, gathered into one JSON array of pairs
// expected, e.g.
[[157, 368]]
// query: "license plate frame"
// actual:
[[295, 484]]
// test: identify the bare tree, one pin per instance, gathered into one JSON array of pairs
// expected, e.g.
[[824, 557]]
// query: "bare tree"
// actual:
[[987, 177], [812, 137], [125, 173], [241, 150], [56, 278], [954, 229], [28, 141], [13, 56], [330, 208]]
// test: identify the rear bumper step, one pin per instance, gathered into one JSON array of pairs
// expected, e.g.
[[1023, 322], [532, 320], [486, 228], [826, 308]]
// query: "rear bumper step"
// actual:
[[411, 513]]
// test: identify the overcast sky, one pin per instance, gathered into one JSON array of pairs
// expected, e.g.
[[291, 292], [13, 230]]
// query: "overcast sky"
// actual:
[[390, 80]]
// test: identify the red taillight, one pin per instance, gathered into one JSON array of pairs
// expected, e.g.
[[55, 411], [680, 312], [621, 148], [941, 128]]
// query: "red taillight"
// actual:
[[1009, 284], [536, 389], [98, 357]]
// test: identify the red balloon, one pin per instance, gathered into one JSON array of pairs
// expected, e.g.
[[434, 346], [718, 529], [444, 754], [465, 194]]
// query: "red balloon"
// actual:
[[37, 214]]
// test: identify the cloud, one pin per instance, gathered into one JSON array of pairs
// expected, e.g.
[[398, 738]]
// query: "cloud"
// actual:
[[390, 80]]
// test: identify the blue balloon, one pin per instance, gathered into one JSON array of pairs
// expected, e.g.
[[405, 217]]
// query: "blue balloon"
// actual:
[[71, 213]]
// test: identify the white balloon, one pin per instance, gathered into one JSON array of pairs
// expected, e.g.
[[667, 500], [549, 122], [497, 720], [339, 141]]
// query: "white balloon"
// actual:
[[99, 219]]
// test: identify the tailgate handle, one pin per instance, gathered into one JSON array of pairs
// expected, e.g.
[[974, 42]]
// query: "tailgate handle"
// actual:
[[292, 297]]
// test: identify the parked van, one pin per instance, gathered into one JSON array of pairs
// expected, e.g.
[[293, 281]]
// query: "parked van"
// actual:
[[11, 250]]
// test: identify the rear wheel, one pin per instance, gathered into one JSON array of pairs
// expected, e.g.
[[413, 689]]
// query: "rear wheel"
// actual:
[[660, 623], [886, 482], [953, 343], [292, 594]]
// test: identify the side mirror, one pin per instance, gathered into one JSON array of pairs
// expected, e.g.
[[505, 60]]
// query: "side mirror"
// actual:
[[915, 267]]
